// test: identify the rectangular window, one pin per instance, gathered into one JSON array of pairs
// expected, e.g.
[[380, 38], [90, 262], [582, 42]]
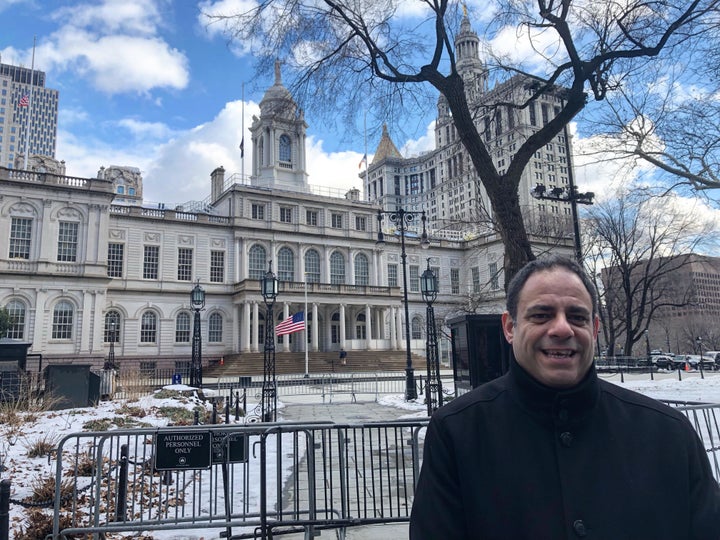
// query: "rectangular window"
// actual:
[[494, 276], [455, 280], [67, 242], [258, 211], [311, 217], [414, 277], [147, 369], [286, 215], [20, 235], [217, 266], [392, 275], [116, 254], [533, 118], [336, 220], [476, 279], [185, 259], [360, 223], [151, 261]]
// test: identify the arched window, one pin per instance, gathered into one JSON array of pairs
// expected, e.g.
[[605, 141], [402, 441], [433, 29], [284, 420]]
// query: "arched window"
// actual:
[[215, 328], [416, 332], [285, 152], [148, 328], [112, 327], [360, 327], [337, 268], [63, 315], [182, 328], [312, 266], [286, 264], [362, 272], [257, 265], [16, 310]]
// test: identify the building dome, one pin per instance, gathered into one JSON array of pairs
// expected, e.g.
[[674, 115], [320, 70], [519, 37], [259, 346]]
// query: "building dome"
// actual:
[[277, 99]]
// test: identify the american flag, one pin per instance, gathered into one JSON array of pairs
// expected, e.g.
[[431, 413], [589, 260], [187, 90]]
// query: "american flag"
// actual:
[[24, 101], [363, 160], [242, 147], [294, 323]]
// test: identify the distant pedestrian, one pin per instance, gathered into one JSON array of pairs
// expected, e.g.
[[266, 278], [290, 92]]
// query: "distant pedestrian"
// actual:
[[343, 357]]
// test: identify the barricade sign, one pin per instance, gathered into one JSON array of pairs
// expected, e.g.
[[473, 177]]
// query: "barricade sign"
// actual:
[[182, 450], [234, 444]]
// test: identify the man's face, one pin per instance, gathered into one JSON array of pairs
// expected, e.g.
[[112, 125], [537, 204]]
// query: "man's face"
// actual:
[[554, 335]]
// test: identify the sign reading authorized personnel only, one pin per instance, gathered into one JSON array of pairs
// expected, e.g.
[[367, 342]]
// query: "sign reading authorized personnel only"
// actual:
[[183, 450]]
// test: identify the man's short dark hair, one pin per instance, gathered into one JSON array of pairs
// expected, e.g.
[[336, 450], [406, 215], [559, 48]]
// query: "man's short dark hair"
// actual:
[[546, 262]]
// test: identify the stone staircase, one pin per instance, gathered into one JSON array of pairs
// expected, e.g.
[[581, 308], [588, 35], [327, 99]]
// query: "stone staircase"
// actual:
[[288, 363]]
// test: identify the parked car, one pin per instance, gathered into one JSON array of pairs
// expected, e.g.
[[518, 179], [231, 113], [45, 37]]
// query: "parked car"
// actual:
[[695, 361], [662, 361], [715, 355], [708, 361], [679, 361]]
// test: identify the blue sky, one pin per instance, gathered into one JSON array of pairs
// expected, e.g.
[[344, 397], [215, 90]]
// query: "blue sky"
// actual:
[[144, 83]]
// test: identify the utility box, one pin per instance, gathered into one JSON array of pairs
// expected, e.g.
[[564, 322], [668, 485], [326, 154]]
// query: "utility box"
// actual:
[[480, 352], [13, 367], [70, 385]]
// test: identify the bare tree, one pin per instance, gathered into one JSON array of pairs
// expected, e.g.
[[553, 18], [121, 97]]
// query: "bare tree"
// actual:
[[673, 125], [638, 245], [347, 55]]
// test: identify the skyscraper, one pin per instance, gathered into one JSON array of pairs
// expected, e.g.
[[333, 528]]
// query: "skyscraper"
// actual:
[[23, 93]]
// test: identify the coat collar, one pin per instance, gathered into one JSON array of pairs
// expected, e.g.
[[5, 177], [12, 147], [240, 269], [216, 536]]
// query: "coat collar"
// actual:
[[564, 408]]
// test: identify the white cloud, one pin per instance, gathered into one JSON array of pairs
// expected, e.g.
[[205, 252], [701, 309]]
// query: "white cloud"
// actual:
[[415, 147], [113, 16], [154, 130], [115, 45], [533, 51]]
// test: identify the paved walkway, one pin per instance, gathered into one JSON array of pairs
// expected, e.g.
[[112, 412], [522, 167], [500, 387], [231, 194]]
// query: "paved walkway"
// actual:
[[344, 411]]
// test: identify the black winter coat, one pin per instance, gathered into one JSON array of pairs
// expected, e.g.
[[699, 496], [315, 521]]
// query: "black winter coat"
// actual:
[[516, 460]]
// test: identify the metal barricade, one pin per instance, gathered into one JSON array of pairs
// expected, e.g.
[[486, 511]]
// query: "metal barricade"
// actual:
[[289, 477]]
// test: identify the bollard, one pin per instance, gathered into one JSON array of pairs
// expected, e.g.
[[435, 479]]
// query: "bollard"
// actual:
[[121, 506], [4, 509], [227, 412], [214, 413]]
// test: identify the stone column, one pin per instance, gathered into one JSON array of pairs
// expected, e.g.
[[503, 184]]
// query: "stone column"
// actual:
[[255, 328], [368, 327], [315, 327], [245, 328], [342, 326]]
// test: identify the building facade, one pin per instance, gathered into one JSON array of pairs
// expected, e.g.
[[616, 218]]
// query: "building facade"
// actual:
[[88, 266], [444, 183], [23, 94]]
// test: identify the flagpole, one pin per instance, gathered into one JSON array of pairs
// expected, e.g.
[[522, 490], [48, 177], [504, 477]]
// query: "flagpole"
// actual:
[[242, 137], [306, 329], [367, 169], [30, 106]]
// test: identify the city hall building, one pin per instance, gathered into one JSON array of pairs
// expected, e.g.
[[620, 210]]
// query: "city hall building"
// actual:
[[85, 264]]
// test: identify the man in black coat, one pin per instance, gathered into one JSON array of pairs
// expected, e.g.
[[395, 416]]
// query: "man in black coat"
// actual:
[[548, 451]]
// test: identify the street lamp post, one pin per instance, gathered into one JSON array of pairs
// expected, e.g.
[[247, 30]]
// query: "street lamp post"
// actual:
[[112, 335], [699, 343], [647, 353], [197, 302], [402, 218], [433, 388], [571, 195], [268, 401]]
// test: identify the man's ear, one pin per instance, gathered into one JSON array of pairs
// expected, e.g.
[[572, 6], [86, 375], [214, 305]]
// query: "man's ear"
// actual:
[[508, 326]]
